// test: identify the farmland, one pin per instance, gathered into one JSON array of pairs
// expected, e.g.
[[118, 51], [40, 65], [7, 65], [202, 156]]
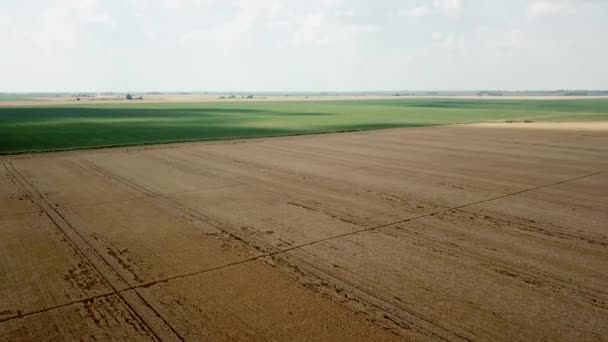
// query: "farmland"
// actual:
[[445, 233], [64, 127], [493, 229]]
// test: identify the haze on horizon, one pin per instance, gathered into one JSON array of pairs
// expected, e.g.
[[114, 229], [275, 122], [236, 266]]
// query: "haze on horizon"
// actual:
[[302, 45]]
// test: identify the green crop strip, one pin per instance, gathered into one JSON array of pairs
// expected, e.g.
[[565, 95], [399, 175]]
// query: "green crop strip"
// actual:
[[61, 127]]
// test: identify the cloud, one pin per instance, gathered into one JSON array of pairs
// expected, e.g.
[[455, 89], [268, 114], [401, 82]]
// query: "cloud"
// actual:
[[538, 8], [546, 7], [319, 29], [88, 12], [327, 23], [64, 23], [506, 42], [235, 33], [182, 5], [446, 40], [418, 11], [447, 5]]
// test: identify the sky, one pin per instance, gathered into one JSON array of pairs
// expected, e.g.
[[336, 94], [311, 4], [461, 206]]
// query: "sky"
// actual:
[[302, 45]]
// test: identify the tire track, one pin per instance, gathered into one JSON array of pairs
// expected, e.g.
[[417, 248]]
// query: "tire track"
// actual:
[[412, 320], [85, 249], [221, 226], [533, 277], [329, 211], [537, 228], [292, 200], [503, 269], [51, 308]]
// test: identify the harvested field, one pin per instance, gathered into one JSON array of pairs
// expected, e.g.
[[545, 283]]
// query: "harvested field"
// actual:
[[446, 233]]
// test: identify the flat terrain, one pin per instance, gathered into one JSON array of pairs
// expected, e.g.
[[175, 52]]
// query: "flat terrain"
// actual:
[[445, 233], [34, 100], [62, 127]]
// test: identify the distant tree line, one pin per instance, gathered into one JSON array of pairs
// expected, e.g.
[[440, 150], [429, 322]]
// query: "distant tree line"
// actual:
[[131, 97]]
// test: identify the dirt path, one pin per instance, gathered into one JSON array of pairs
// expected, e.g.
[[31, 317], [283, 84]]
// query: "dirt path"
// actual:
[[452, 233]]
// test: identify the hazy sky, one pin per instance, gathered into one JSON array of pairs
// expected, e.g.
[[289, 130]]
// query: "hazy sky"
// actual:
[[310, 45]]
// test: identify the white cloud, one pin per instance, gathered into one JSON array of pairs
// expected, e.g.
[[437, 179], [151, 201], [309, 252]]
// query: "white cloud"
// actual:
[[237, 28], [235, 33], [89, 12], [63, 24], [446, 40], [182, 5], [505, 42], [57, 28], [318, 29], [249, 20], [546, 7], [418, 11], [448, 5]]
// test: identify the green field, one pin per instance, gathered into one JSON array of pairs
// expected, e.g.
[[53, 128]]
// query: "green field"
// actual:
[[45, 128]]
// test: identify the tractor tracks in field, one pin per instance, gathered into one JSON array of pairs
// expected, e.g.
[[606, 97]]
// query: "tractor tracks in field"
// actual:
[[413, 205], [400, 317], [394, 314], [87, 252], [526, 276]]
